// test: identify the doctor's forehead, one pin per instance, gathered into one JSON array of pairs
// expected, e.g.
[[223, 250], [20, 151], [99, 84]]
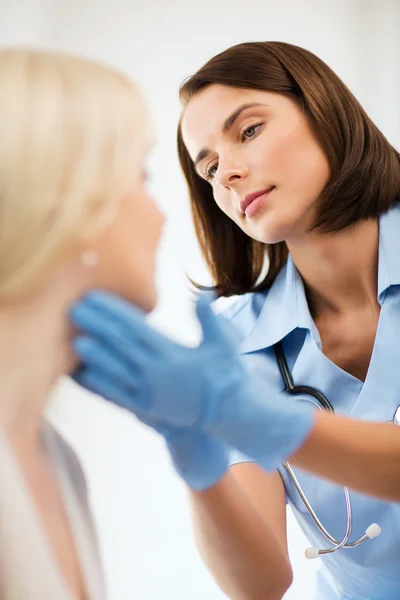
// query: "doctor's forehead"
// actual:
[[206, 112]]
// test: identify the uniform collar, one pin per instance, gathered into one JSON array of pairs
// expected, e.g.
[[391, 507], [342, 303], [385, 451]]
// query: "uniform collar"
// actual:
[[285, 307], [389, 250]]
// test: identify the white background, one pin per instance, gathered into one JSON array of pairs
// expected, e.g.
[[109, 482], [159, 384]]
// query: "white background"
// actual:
[[139, 503]]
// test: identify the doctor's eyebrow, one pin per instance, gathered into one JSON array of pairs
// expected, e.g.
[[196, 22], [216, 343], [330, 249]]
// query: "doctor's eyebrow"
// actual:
[[228, 124]]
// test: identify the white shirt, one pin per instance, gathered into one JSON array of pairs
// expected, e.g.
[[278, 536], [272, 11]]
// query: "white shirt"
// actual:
[[28, 568]]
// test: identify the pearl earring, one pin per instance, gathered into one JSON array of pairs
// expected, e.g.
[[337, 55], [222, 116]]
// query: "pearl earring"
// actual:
[[89, 258]]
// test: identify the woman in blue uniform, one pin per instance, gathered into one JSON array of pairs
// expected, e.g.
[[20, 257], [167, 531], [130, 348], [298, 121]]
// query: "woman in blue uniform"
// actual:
[[284, 168]]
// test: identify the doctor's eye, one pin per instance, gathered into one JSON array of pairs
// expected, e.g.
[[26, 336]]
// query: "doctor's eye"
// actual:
[[251, 131]]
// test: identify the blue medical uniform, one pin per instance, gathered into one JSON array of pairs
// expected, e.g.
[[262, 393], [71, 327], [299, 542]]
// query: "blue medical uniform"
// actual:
[[370, 571]]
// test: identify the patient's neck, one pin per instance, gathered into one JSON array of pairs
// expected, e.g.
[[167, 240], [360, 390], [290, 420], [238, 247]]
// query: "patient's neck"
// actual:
[[35, 350]]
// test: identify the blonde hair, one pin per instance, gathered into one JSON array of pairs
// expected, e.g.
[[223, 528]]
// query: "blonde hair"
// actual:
[[72, 139]]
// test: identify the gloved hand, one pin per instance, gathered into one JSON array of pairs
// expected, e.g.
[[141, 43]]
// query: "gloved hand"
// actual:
[[200, 460], [205, 388]]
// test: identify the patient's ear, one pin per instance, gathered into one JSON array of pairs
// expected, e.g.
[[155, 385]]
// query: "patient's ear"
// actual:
[[100, 221]]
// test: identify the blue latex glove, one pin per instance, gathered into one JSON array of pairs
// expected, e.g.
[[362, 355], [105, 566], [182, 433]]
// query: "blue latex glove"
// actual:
[[204, 388]]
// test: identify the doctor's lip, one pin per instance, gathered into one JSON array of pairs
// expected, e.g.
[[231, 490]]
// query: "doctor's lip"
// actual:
[[245, 203]]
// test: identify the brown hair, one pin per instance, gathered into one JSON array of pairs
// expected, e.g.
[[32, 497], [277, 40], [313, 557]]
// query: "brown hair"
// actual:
[[365, 168]]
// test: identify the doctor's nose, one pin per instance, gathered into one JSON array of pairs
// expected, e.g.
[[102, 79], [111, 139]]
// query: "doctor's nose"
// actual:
[[230, 173]]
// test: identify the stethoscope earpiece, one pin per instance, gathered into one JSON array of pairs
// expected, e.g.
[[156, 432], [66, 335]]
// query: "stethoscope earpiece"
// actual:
[[373, 531], [311, 553]]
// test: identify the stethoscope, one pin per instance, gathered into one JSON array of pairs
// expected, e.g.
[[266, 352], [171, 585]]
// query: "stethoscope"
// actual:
[[322, 402]]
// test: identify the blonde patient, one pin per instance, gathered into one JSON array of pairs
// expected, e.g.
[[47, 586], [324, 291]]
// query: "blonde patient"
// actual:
[[75, 215]]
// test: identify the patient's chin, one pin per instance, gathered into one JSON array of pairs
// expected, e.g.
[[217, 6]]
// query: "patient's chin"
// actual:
[[150, 303]]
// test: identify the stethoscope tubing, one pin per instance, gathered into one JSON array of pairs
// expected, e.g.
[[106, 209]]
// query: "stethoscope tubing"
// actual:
[[322, 403]]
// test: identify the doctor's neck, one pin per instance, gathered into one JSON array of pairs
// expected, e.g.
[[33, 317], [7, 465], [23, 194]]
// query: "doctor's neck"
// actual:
[[35, 350], [339, 270]]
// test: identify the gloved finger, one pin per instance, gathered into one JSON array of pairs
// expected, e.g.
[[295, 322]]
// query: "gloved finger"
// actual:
[[92, 321], [210, 324], [98, 354], [101, 384], [122, 338], [98, 306]]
